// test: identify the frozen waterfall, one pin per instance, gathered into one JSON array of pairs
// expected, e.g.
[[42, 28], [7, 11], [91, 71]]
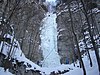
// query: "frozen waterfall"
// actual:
[[49, 41]]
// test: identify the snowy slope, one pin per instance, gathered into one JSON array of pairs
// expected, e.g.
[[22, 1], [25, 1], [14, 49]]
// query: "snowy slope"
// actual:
[[18, 54], [2, 72], [89, 70]]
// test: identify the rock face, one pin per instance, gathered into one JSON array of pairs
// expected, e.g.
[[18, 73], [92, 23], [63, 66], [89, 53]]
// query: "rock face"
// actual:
[[65, 39], [25, 16]]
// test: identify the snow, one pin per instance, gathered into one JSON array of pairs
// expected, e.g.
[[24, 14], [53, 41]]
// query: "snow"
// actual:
[[49, 41], [95, 10], [18, 54], [89, 70], [76, 71], [72, 70], [2, 72], [51, 62], [56, 69], [15, 48]]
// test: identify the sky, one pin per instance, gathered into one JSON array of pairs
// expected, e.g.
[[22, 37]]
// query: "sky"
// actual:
[[50, 0]]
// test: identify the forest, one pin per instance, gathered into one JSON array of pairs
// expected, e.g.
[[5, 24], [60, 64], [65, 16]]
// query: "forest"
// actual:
[[50, 37]]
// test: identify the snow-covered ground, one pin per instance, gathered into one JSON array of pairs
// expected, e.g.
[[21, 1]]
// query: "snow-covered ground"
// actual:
[[72, 70], [89, 70], [2, 72], [19, 55]]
